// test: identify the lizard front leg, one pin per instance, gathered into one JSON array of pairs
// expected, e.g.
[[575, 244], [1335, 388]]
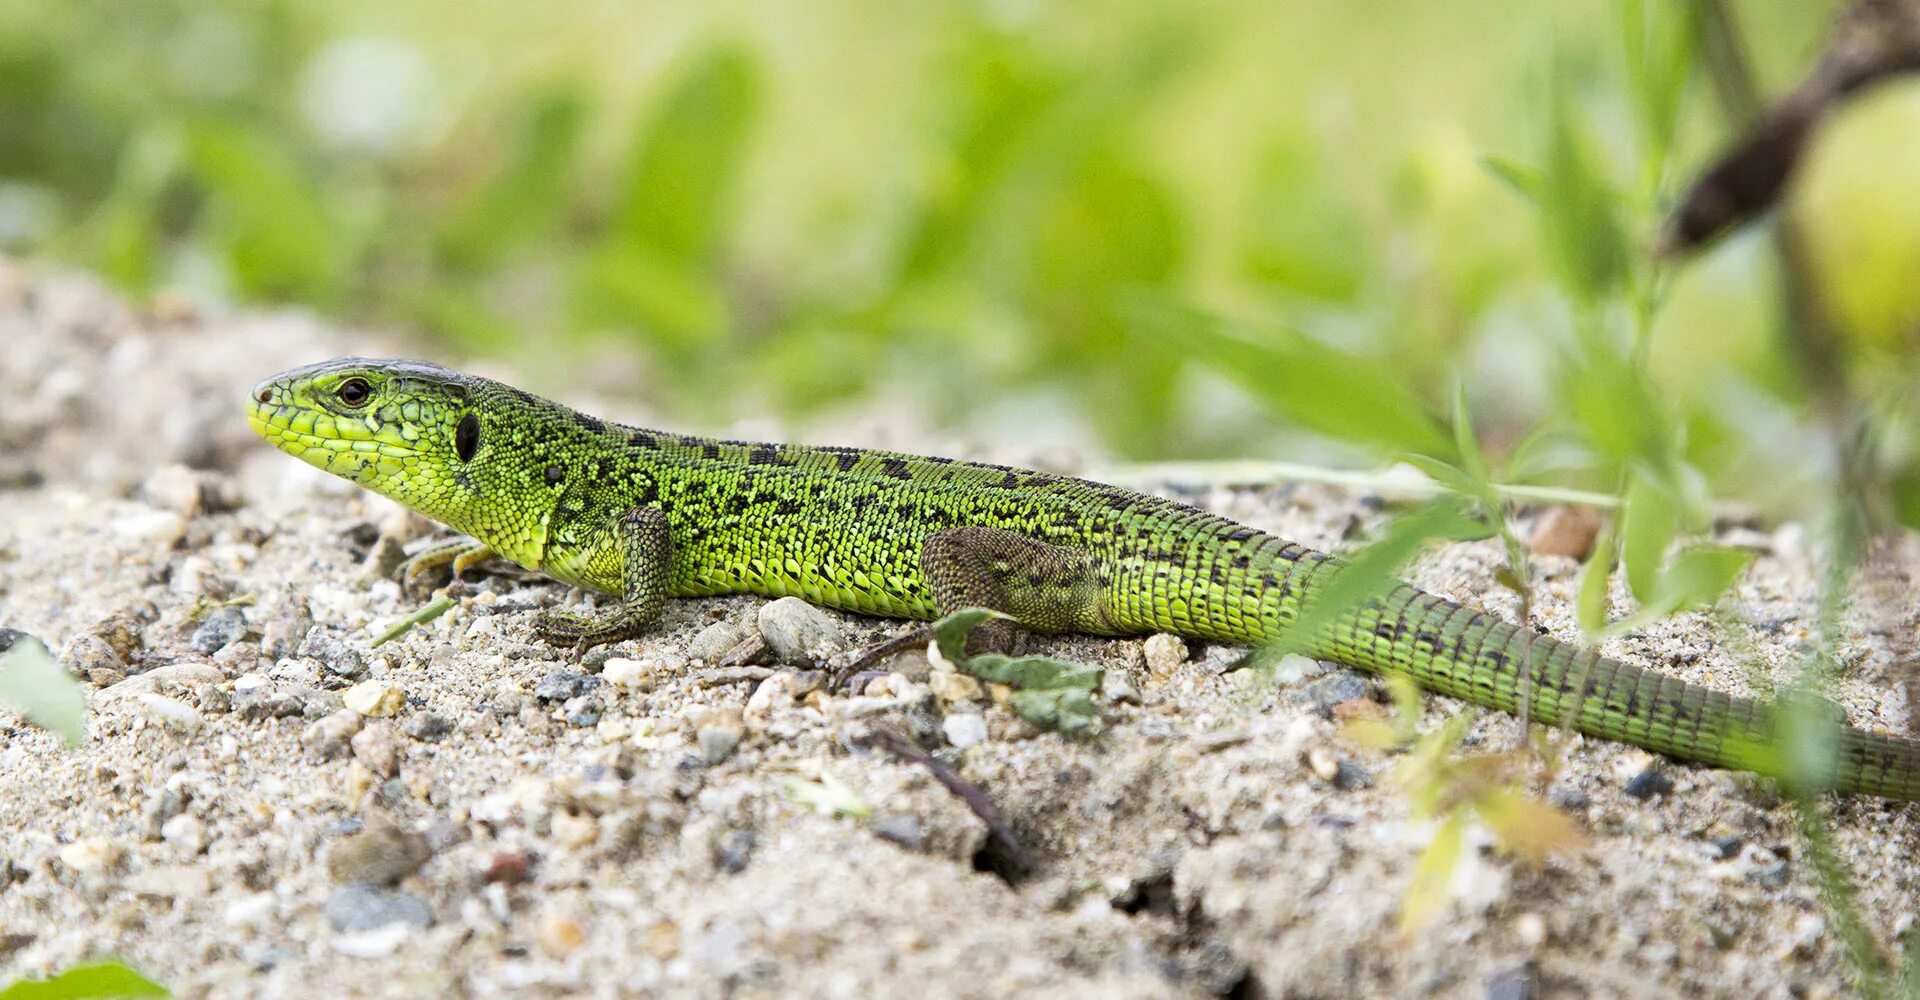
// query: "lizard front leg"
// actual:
[[645, 549], [1045, 587]]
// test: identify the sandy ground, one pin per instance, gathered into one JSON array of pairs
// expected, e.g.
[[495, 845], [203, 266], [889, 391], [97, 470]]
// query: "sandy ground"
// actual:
[[486, 826]]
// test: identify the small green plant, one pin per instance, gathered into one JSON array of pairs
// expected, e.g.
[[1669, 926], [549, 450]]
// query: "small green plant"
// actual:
[[92, 981], [33, 683], [1052, 694]]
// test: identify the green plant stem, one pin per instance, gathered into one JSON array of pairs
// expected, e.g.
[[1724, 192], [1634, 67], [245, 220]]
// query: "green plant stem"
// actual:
[[1396, 483]]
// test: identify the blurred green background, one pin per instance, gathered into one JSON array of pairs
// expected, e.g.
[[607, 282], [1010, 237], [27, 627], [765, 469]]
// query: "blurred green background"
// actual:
[[1118, 224]]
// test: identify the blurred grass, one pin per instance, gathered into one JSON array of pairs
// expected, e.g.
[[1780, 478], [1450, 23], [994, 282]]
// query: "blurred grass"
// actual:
[[792, 210]]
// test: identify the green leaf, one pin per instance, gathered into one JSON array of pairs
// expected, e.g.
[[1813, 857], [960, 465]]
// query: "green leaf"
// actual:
[[1064, 710], [1473, 461], [1427, 893], [1698, 577], [828, 795], [950, 633], [1591, 603], [1321, 388], [1658, 40], [33, 683], [93, 981], [433, 609], [266, 212], [1522, 178], [1031, 672], [1649, 521]]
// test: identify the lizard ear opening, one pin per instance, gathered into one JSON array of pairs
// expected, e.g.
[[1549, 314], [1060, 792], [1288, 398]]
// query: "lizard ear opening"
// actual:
[[466, 437]]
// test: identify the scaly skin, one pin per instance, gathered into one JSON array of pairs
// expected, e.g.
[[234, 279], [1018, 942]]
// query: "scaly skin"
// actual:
[[647, 515]]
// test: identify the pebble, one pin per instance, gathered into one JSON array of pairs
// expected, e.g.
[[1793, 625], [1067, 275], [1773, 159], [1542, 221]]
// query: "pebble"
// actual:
[[326, 738], [798, 633], [954, 688], [560, 934], [377, 747], [714, 641], [1324, 763], [186, 833], [720, 735], [574, 830], [1512, 984], [382, 854], [964, 729], [1808, 930], [329, 646], [428, 727], [734, 851], [582, 711], [1648, 784], [903, 829], [508, 868], [383, 560], [375, 699], [1163, 652], [286, 630], [90, 656], [1336, 689], [182, 882], [90, 855], [1566, 530], [163, 805], [362, 907], [624, 673], [564, 685], [1531, 929], [777, 693], [1772, 876], [170, 714], [219, 629], [1570, 799], [1117, 690]]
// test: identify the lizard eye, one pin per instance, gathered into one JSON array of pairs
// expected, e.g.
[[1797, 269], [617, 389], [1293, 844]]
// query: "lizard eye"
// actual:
[[355, 392], [466, 437]]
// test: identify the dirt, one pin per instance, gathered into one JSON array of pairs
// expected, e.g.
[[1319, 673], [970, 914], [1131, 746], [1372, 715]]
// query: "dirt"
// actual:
[[657, 829]]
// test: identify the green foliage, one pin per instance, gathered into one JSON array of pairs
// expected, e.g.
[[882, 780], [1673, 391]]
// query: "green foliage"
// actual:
[[92, 981], [1049, 693], [34, 684]]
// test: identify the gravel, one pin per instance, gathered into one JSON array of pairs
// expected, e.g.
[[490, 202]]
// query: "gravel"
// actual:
[[489, 839]]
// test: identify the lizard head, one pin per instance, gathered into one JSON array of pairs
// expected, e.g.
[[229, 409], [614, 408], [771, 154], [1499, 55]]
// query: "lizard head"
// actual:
[[417, 433]]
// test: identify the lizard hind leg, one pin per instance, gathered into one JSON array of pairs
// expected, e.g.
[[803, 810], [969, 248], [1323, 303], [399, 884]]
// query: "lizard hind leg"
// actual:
[[1045, 587]]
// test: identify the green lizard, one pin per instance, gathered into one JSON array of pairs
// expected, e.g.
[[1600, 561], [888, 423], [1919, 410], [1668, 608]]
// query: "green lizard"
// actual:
[[647, 515]]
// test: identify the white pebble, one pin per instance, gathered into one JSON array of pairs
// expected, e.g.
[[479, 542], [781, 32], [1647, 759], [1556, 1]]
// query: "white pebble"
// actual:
[[964, 730]]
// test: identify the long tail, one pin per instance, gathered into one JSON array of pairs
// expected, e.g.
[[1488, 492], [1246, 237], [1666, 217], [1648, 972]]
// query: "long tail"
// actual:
[[1471, 655]]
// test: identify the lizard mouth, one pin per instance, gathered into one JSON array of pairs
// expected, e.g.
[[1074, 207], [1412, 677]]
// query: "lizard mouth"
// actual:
[[275, 423]]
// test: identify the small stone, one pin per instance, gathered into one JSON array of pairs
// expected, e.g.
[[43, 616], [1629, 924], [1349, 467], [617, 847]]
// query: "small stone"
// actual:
[[954, 688], [1531, 929], [714, 641], [1117, 690], [1164, 652], [428, 727], [1808, 930], [720, 735], [582, 711], [165, 804], [1294, 668], [508, 868], [1570, 799], [1726, 848], [575, 830], [90, 855], [378, 748], [1324, 763], [326, 738], [362, 907], [799, 633], [1512, 984], [1648, 784], [375, 699], [286, 631], [175, 488], [964, 729], [1566, 530], [329, 646], [219, 629], [1337, 688], [90, 656], [1771, 876], [1350, 776], [903, 829], [559, 935], [168, 713], [186, 833], [122, 633], [382, 854], [624, 673], [383, 560], [563, 685], [775, 694], [733, 851]]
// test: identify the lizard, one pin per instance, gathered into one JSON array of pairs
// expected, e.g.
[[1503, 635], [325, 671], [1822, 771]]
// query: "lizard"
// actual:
[[647, 515]]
